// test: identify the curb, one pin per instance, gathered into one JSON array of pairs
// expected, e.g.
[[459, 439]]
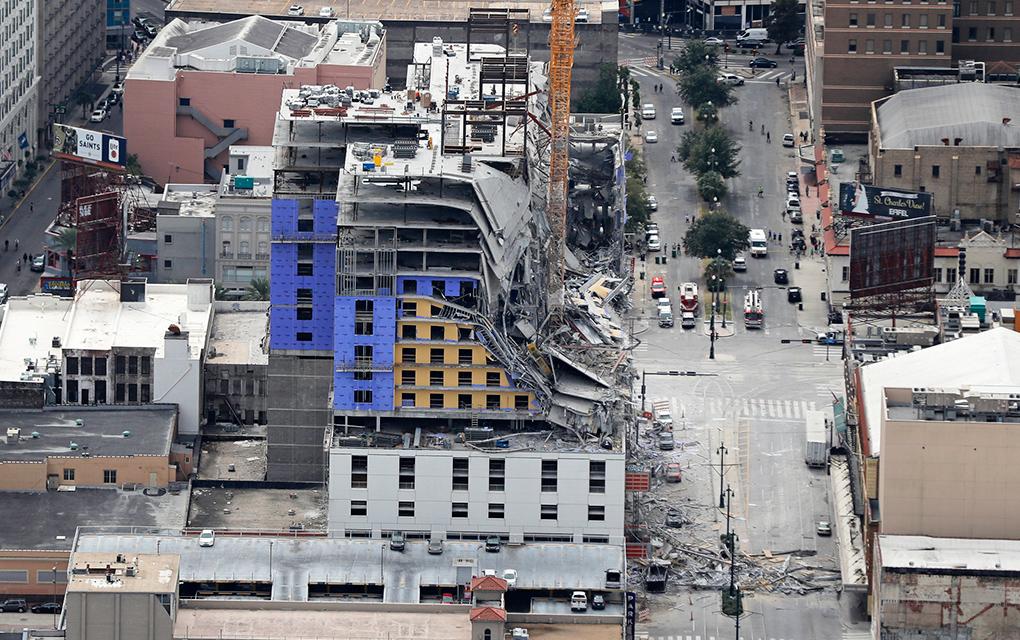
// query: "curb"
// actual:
[[28, 193]]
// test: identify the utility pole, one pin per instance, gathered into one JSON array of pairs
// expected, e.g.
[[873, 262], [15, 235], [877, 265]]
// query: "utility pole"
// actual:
[[722, 450], [711, 325], [730, 539]]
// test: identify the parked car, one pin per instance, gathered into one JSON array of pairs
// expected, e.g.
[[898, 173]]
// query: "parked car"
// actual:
[[579, 601], [713, 41], [598, 602], [688, 320], [581, 15], [435, 547], [676, 115], [651, 137], [791, 178], [780, 276], [326, 12], [666, 441], [14, 604], [397, 542], [792, 201], [788, 140], [47, 607], [762, 63], [796, 216], [652, 228], [118, 87], [653, 204], [824, 528], [510, 575], [112, 99], [98, 115], [493, 544], [731, 79], [838, 156], [740, 263], [658, 287], [673, 472], [793, 295], [295, 10], [654, 244], [207, 538], [4, 292]]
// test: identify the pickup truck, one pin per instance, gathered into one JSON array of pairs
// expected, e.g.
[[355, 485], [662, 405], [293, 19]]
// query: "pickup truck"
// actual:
[[662, 416]]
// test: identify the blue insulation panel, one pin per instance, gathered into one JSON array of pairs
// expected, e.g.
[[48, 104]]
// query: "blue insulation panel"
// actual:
[[346, 384]]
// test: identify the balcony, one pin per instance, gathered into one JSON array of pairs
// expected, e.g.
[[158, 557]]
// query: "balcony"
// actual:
[[227, 254], [244, 256], [262, 256]]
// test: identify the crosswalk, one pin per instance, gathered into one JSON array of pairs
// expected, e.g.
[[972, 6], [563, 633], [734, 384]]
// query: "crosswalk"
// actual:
[[698, 637], [761, 408]]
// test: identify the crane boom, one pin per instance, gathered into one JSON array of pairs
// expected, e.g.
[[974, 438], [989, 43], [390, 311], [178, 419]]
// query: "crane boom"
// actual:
[[561, 62]]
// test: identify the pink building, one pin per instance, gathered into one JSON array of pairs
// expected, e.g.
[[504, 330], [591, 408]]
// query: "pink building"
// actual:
[[202, 87]]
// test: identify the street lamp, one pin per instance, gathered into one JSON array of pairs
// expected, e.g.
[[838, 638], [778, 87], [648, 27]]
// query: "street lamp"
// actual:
[[718, 253], [711, 326], [722, 450], [54, 595]]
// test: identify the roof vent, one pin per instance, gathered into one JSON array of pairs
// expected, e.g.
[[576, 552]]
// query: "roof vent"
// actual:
[[78, 422], [74, 446], [126, 434], [56, 342]]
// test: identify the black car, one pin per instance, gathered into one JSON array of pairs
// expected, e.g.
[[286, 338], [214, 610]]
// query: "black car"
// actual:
[[48, 607], [762, 63], [598, 602], [14, 604], [793, 295], [397, 542], [780, 276], [493, 544]]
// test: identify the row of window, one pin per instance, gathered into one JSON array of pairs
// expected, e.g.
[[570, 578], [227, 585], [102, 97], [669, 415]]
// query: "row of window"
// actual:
[[887, 46], [437, 378], [109, 475], [459, 471], [975, 275], [493, 402], [990, 33], [243, 249], [496, 510], [140, 393], [936, 170], [42, 576], [990, 8], [243, 223], [87, 365], [905, 20]]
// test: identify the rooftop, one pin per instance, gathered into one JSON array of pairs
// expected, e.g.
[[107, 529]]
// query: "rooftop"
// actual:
[[101, 432], [257, 45], [949, 555], [197, 200], [421, 10], [300, 560], [988, 358], [984, 404], [105, 572], [979, 114], [57, 514], [258, 509], [494, 437], [27, 331], [196, 621], [239, 334]]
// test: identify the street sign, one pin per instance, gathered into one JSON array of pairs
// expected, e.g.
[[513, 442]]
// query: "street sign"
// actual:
[[464, 562], [631, 614]]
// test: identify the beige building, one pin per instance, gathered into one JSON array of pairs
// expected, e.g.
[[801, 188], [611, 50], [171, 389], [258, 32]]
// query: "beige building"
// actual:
[[959, 142]]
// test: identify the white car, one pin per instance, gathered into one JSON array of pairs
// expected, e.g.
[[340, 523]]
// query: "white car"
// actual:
[[651, 136], [713, 41], [653, 205], [118, 87], [648, 111], [581, 16], [654, 244], [676, 115], [792, 201], [3, 293], [731, 79], [787, 139], [740, 263], [207, 538], [296, 10], [326, 12], [98, 115], [547, 15], [510, 575]]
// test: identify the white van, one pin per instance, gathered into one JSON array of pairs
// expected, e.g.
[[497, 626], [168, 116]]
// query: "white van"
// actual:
[[759, 243], [648, 111], [758, 35], [579, 601]]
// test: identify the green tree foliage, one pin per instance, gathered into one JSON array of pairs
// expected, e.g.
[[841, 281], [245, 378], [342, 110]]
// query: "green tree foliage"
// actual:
[[710, 149], [85, 100], [258, 289], [604, 96], [132, 165], [700, 86], [785, 23], [638, 212], [714, 232], [694, 55], [711, 186]]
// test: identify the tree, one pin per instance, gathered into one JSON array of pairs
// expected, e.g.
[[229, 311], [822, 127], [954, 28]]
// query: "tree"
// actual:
[[696, 54], [710, 149], [132, 166], [708, 113], [701, 86], [84, 99], [67, 239], [716, 234], [711, 186], [637, 196], [258, 289], [785, 23], [604, 96]]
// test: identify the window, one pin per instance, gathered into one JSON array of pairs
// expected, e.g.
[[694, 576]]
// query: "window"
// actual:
[[244, 224], [119, 364], [922, 47], [991, 34], [492, 378], [973, 7], [184, 102], [363, 353], [303, 336], [168, 264], [227, 223], [405, 509], [359, 472], [436, 401], [904, 46], [304, 225], [72, 365], [304, 295], [363, 328], [549, 469], [303, 268], [100, 366], [72, 391], [359, 508], [408, 332], [362, 375], [936, 170], [492, 402], [132, 390], [975, 276], [871, 19], [497, 475], [940, 46], [869, 46], [548, 512], [989, 276], [435, 378], [991, 7], [407, 399], [460, 474], [437, 356], [971, 34], [937, 271], [464, 356], [133, 365], [109, 476], [304, 313], [951, 275], [118, 392], [942, 21], [406, 474], [905, 20], [596, 476], [1011, 276], [977, 170], [459, 510], [1007, 34], [496, 510], [846, 274], [410, 287], [437, 332], [409, 308], [228, 123], [407, 376], [407, 354], [596, 513], [887, 46], [68, 474], [922, 20], [1007, 8], [464, 401], [888, 21], [851, 46], [362, 396], [464, 378], [521, 403], [145, 393], [438, 289], [853, 19]]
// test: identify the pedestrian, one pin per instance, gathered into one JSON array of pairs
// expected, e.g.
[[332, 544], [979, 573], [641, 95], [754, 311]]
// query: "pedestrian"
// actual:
[[672, 158], [777, 82], [24, 257], [763, 129], [793, 76], [7, 243], [15, 244], [31, 207], [780, 238], [768, 137], [750, 125]]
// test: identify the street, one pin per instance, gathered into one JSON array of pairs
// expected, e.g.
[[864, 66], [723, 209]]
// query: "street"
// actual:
[[752, 398]]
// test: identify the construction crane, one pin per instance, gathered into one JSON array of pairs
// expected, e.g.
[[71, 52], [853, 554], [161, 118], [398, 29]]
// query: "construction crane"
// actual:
[[561, 61]]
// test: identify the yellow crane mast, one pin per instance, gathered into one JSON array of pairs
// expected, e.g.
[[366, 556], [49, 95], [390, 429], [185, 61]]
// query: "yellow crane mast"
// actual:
[[561, 61]]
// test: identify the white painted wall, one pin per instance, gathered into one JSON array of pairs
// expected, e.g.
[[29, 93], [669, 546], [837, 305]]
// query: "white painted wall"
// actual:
[[433, 494], [177, 379]]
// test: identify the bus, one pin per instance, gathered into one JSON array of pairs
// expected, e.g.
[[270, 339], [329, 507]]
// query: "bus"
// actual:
[[754, 313]]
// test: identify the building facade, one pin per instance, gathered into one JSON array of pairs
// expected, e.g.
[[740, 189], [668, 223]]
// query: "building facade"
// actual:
[[237, 364], [19, 88], [186, 233], [525, 496]]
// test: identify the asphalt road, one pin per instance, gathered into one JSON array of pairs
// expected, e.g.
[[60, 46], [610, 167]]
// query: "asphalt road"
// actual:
[[753, 396]]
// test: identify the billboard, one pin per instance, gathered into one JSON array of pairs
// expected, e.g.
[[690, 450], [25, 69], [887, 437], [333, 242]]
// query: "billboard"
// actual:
[[92, 147], [881, 203], [892, 256], [60, 286]]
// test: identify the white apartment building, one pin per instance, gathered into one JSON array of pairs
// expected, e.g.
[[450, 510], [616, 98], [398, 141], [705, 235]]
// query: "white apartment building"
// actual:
[[463, 493], [19, 87]]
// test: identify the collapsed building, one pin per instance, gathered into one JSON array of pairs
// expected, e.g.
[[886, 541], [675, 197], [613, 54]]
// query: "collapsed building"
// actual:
[[409, 305]]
